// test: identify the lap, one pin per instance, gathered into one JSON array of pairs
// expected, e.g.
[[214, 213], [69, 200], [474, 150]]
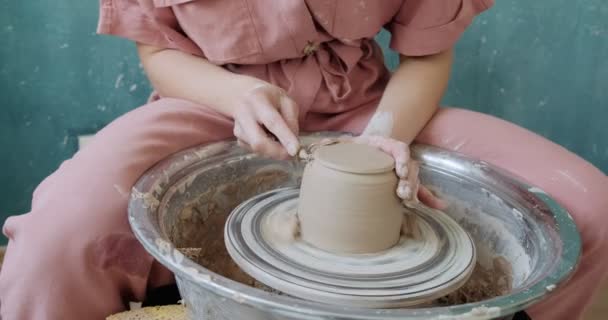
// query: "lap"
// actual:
[[119, 153], [85, 200]]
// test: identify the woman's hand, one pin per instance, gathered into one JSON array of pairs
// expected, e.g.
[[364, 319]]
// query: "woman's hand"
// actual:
[[263, 115], [409, 188]]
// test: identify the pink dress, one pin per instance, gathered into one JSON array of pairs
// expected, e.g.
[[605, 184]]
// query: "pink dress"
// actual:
[[74, 257]]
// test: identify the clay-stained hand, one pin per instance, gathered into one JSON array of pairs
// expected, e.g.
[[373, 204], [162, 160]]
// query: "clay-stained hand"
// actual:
[[264, 115], [409, 188]]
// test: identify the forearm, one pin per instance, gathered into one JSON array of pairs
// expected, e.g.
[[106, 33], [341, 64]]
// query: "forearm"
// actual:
[[180, 75], [413, 95]]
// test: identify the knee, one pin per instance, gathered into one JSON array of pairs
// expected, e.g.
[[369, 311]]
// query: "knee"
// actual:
[[93, 269], [37, 253], [580, 188], [592, 219], [40, 248]]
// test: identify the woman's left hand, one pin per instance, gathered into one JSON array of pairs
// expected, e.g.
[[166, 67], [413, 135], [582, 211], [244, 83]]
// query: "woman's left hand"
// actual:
[[409, 188]]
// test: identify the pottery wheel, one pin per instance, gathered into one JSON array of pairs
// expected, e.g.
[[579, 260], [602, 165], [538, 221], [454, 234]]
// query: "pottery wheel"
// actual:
[[433, 260]]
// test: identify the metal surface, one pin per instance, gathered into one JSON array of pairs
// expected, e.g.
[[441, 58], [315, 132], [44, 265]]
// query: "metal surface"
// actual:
[[415, 271], [509, 218]]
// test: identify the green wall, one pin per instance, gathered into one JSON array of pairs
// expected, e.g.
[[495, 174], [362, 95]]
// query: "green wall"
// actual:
[[541, 64]]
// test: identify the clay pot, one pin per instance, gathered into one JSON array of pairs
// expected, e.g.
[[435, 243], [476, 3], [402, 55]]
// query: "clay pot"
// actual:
[[348, 202]]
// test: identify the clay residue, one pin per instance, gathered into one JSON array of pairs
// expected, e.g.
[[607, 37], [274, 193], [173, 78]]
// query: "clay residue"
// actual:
[[198, 230], [200, 223], [485, 283], [381, 124], [217, 260]]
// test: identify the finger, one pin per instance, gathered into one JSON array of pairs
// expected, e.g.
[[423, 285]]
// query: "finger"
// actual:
[[290, 112], [404, 190], [272, 120], [416, 190], [241, 136], [412, 176], [244, 145], [402, 157], [238, 131], [259, 141], [409, 185], [400, 151], [427, 197]]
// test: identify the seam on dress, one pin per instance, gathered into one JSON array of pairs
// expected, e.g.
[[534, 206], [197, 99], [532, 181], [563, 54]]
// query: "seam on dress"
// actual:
[[291, 33], [255, 29]]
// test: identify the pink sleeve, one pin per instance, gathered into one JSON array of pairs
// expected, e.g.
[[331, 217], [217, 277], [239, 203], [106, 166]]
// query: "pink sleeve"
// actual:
[[144, 22], [425, 27]]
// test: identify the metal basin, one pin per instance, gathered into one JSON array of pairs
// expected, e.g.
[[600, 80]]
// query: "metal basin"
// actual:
[[183, 201]]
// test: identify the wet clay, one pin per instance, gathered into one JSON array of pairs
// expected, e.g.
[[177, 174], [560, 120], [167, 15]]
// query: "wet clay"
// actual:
[[485, 283], [347, 200]]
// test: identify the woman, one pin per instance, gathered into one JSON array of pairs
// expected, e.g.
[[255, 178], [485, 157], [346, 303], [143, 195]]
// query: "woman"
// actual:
[[246, 68]]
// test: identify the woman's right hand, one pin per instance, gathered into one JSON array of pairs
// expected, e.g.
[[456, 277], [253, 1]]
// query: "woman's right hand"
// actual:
[[264, 114]]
